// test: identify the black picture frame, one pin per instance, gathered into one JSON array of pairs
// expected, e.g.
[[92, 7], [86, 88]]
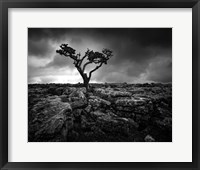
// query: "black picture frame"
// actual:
[[6, 4]]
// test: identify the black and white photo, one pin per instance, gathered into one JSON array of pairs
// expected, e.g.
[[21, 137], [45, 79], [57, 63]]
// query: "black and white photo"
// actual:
[[99, 85]]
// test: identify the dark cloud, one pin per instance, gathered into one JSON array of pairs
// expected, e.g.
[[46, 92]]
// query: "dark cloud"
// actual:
[[40, 49], [160, 71], [59, 62], [140, 54]]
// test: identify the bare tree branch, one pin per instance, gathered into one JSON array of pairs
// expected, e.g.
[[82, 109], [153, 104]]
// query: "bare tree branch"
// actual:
[[97, 67], [89, 62], [82, 59]]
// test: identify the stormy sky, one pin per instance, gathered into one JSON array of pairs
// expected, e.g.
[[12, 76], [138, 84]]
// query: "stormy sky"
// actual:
[[139, 54]]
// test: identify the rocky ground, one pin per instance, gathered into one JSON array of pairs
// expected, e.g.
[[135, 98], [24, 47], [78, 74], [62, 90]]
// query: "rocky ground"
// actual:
[[109, 113]]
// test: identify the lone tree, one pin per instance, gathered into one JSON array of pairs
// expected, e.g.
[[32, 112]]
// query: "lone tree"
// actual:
[[90, 57]]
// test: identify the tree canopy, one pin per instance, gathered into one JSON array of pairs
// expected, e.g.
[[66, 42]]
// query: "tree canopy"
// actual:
[[90, 57]]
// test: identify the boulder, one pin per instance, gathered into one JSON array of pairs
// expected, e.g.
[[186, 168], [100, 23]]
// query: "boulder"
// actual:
[[77, 95], [114, 125], [51, 118], [129, 104], [149, 138], [97, 102], [69, 90], [110, 93], [78, 104], [59, 124], [77, 99], [97, 114]]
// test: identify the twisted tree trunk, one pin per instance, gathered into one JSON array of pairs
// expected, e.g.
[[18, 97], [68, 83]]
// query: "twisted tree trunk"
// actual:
[[86, 82]]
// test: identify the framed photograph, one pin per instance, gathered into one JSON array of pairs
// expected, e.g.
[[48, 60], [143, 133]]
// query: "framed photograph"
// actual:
[[99, 85]]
